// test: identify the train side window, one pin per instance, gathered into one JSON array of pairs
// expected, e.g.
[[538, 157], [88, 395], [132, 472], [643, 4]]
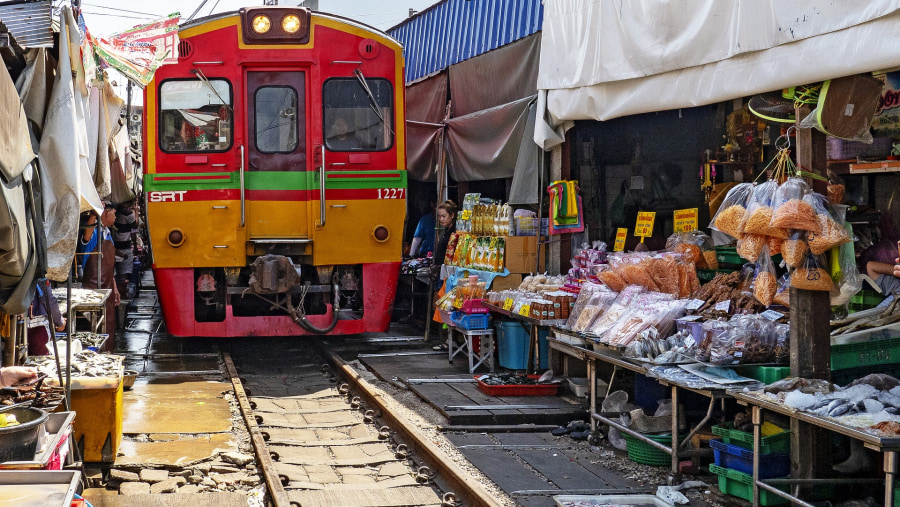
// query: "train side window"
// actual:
[[195, 115], [350, 123], [276, 119]]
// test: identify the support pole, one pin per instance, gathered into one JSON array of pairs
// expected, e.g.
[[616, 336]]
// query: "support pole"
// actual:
[[810, 332]]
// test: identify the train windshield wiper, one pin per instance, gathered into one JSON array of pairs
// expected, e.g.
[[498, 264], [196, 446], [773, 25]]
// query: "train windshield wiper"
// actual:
[[202, 77], [372, 102]]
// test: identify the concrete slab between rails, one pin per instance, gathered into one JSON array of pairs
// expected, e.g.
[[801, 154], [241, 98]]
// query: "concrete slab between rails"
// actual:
[[180, 452], [176, 405], [169, 500], [367, 498]]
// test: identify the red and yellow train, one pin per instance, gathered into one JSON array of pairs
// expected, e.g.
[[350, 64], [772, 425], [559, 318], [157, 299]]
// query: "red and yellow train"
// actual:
[[275, 178]]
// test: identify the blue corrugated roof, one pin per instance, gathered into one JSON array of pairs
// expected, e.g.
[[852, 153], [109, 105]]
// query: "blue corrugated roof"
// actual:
[[456, 30]]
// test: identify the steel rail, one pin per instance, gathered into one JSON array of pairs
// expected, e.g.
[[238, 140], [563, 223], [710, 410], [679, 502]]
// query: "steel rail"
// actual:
[[273, 482], [456, 478]]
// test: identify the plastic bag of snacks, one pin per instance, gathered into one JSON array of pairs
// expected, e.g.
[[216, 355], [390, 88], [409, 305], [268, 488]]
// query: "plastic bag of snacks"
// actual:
[[774, 245], [588, 289], [794, 249], [850, 282], [765, 284], [750, 246], [696, 247], [731, 212], [782, 334], [611, 279], [811, 276], [831, 229], [791, 210], [760, 212], [761, 344], [783, 294], [728, 346]]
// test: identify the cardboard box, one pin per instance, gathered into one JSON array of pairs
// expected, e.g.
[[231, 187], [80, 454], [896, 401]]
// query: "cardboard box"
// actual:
[[521, 254], [510, 281]]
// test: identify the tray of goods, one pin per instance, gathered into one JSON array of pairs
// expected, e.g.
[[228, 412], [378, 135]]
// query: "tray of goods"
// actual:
[[515, 385]]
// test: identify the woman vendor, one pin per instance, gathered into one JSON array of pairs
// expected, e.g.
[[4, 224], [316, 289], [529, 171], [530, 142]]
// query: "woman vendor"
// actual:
[[446, 216]]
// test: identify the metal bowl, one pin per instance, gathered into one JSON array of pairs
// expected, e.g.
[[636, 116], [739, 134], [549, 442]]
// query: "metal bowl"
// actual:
[[128, 379]]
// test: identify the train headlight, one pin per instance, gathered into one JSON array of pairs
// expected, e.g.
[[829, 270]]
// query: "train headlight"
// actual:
[[261, 24], [291, 24], [175, 237], [381, 233]]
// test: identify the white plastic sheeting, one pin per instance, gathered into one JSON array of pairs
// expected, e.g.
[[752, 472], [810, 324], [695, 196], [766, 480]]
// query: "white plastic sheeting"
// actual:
[[603, 59], [67, 186]]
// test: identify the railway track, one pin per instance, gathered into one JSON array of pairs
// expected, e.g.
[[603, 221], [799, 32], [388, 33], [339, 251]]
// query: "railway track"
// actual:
[[324, 436]]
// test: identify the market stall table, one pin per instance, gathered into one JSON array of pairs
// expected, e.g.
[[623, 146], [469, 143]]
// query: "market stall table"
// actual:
[[887, 445], [614, 357]]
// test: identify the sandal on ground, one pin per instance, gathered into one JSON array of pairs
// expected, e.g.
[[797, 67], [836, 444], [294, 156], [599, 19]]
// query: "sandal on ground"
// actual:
[[440, 347]]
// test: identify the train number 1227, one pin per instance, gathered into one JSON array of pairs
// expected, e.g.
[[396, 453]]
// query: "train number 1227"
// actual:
[[391, 193]]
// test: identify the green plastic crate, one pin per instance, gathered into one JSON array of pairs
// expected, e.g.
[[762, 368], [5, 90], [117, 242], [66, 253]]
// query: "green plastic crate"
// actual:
[[734, 483], [765, 374], [865, 299], [847, 375], [869, 353], [646, 454], [728, 255], [780, 442]]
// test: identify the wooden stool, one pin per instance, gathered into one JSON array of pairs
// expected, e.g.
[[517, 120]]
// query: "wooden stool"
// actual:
[[485, 354]]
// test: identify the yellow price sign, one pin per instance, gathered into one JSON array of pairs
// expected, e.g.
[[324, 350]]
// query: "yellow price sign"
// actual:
[[465, 214], [644, 226], [508, 304], [686, 220], [525, 310], [621, 236]]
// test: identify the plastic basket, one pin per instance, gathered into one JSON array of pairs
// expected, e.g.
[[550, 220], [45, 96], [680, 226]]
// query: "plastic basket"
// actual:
[[856, 355], [734, 483], [470, 321], [780, 442], [646, 454], [840, 149], [728, 255], [445, 317], [526, 226], [776, 464]]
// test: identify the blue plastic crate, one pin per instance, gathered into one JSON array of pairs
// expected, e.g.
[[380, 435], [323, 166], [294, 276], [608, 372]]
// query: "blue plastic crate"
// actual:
[[772, 465], [470, 320]]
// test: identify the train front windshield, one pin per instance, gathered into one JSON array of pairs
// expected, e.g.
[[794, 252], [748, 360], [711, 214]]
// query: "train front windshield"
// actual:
[[195, 115]]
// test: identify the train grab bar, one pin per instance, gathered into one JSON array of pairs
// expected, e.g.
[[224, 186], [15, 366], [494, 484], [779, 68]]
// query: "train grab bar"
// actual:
[[322, 190], [242, 186]]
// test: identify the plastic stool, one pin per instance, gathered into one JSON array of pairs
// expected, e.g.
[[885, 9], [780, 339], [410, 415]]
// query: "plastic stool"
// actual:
[[485, 354]]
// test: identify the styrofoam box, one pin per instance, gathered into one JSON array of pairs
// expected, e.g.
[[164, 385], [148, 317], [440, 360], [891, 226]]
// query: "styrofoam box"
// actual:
[[568, 500]]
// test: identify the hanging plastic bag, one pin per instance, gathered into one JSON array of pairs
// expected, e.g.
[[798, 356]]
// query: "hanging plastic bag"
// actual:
[[765, 285], [774, 245], [731, 213], [750, 246], [850, 279], [831, 231], [811, 276], [794, 249], [791, 211], [760, 212], [783, 294]]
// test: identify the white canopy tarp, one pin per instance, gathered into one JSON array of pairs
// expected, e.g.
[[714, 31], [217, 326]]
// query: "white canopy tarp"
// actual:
[[603, 59]]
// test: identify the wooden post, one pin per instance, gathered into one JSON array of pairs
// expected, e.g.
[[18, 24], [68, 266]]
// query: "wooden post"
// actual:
[[810, 331]]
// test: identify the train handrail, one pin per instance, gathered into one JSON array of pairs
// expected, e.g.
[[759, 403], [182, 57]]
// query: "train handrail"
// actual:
[[322, 190], [242, 186]]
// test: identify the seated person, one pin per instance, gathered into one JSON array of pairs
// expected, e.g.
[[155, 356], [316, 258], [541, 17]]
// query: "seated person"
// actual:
[[887, 276]]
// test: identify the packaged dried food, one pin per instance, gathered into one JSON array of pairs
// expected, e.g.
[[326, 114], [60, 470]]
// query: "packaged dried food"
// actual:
[[835, 193], [774, 245], [611, 280], [811, 276], [750, 246], [782, 333], [831, 234], [727, 346], [664, 271], [760, 211], [796, 214], [638, 275], [690, 252], [588, 289], [596, 307], [712, 262], [783, 295], [794, 249], [765, 284], [731, 212], [616, 309]]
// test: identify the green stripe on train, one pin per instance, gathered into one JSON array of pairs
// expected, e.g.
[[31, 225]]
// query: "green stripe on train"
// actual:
[[275, 180]]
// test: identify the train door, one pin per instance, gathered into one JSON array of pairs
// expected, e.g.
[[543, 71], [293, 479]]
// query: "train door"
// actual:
[[277, 178]]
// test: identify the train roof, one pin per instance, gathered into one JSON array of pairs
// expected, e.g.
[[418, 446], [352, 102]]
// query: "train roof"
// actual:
[[349, 21]]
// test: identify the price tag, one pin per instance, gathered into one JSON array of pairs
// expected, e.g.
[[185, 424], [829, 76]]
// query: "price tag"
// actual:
[[508, 304], [694, 304], [644, 226], [465, 214], [723, 306], [621, 236], [686, 220], [689, 341], [772, 315], [525, 310]]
